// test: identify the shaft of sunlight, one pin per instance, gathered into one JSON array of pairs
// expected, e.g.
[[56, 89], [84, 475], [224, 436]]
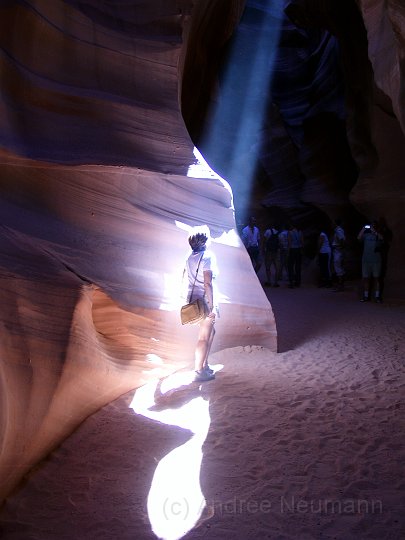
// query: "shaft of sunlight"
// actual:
[[245, 89]]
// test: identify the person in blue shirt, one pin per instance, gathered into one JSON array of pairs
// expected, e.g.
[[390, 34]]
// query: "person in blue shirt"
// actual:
[[324, 257], [371, 261], [338, 254]]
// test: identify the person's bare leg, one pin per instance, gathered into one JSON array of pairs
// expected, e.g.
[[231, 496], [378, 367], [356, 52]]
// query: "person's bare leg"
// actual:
[[211, 338], [203, 343], [377, 289]]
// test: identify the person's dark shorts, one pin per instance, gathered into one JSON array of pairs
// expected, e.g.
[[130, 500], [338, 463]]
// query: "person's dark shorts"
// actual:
[[371, 269], [254, 253]]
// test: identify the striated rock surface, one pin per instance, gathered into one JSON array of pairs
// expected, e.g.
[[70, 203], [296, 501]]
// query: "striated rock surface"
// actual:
[[99, 185], [98, 189]]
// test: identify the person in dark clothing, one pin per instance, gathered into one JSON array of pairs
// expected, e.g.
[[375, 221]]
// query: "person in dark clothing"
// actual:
[[295, 245]]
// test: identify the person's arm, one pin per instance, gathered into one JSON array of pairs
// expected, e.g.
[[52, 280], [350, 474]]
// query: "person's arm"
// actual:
[[361, 233], [209, 292], [321, 240]]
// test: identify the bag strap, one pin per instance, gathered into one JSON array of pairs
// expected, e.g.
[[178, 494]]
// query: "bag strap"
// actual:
[[195, 279]]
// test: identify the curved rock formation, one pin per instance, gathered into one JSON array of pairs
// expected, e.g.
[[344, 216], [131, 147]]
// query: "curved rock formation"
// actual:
[[379, 190], [99, 184], [99, 187]]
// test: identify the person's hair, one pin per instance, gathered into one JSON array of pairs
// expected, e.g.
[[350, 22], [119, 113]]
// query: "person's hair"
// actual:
[[197, 241]]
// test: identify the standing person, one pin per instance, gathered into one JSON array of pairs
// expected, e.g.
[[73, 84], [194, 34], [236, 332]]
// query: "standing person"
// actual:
[[295, 245], [251, 240], [371, 260], [338, 244], [271, 255], [324, 255], [200, 266], [283, 243]]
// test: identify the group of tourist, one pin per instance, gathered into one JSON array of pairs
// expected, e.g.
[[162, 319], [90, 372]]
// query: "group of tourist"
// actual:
[[281, 250], [375, 240]]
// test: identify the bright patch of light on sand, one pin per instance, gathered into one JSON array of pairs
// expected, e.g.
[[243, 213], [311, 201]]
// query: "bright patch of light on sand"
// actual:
[[175, 500], [182, 379]]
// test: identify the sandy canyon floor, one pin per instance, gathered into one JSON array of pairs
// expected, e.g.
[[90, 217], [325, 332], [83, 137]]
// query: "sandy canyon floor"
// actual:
[[304, 444]]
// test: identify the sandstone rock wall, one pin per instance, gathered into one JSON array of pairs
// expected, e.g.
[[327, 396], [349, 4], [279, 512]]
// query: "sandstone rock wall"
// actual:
[[96, 200], [98, 188], [380, 189]]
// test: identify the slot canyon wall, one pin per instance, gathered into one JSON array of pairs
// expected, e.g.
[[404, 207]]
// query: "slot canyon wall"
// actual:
[[101, 107], [96, 194]]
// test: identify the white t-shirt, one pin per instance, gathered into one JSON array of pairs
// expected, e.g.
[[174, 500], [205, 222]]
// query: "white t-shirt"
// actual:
[[325, 247], [283, 239], [338, 238], [251, 238], [269, 232], [295, 239], [208, 262]]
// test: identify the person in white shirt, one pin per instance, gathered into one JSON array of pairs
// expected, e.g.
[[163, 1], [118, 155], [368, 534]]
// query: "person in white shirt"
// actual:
[[200, 267], [271, 255], [324, 256], [283, 242], [251, 240], [338, 244]]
